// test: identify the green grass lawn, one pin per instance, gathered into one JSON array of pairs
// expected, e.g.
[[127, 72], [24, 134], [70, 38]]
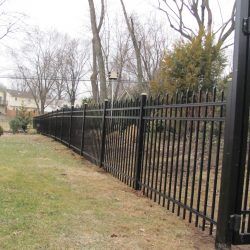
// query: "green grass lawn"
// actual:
[[5, 125], [51, 198]]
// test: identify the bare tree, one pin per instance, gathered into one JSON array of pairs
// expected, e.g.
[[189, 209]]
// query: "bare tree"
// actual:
[[154, 42], [117, 55], [105, 36], [120, 60], [178, 14], [120, 56], [98, 59], [76, 58], [59, 90], [136, 43], [10, 21], [37, 66], [18, 85]]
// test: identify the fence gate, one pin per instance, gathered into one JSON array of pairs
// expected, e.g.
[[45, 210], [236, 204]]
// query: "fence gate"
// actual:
[[233, 225]]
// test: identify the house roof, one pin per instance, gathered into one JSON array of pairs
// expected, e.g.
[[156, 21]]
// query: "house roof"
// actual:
[[22, 94]]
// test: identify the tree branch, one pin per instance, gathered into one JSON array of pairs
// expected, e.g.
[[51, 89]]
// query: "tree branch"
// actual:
[[223, 36]]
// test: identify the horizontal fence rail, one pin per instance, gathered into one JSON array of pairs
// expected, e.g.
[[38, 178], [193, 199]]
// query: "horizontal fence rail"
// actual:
[[169, 148]]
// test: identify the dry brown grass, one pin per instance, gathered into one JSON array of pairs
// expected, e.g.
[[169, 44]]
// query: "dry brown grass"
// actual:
[[78, 205]]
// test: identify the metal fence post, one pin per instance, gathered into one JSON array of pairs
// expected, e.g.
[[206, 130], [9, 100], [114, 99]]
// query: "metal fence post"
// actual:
[[61, 129], [139, 150], [70, 125], [103, 133], [50, 120], [56, 114], [83, 126], [228, 221]]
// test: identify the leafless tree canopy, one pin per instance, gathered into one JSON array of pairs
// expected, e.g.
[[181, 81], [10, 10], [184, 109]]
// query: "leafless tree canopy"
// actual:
[[37, 66], [51, 65], [10, 21], [75, 61], [178, 13], [135, 50]]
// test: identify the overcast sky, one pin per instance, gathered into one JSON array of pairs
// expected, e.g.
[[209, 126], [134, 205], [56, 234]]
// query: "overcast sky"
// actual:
[[72, 17]]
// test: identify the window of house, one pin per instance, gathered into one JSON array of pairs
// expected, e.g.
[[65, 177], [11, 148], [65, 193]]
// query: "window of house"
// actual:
[[15, 98]]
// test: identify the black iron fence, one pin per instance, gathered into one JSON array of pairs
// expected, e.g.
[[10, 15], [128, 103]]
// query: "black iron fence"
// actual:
[[169, 148]]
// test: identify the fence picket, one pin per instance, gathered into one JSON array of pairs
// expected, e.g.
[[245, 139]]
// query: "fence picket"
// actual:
[[103, 135], [140, 138], [70, 126], [83, 126]]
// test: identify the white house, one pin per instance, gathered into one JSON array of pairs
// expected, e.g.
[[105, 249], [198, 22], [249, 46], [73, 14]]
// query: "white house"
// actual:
[[12, 100], [16, 99]]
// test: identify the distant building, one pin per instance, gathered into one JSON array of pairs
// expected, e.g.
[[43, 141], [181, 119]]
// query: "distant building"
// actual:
[[16, 99], [12, 100]]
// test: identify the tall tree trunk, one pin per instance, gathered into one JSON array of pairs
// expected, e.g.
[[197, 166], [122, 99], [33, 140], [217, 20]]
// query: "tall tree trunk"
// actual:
[[93, 77], [72, 100], [98, 48], [136, 44], [41, 111]]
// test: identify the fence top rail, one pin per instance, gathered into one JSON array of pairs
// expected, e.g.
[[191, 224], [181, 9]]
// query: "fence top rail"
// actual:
[[123, 108], [94, 110], [187, 105], [179, 100]]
